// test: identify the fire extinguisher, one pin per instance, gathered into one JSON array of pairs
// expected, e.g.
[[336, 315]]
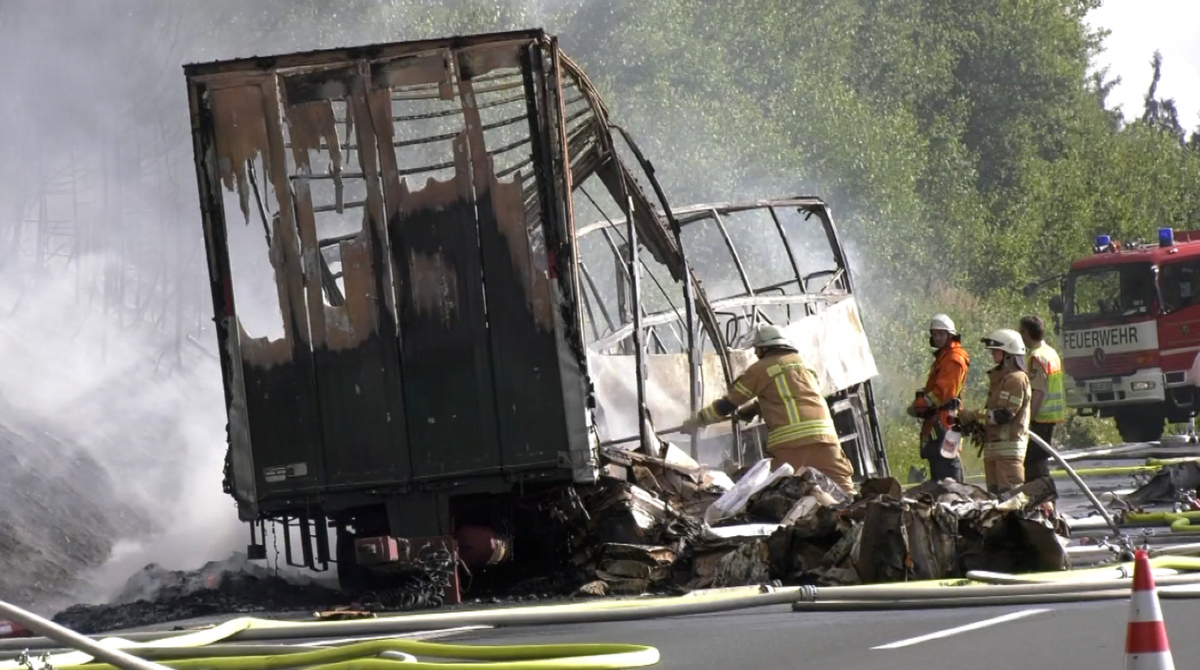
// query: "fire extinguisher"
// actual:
[[952, 440]]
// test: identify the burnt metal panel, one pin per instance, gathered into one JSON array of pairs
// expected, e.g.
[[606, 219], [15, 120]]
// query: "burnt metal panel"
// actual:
[[532, 411], [354, 354], [271, 380], [443, 325], [447, 344]]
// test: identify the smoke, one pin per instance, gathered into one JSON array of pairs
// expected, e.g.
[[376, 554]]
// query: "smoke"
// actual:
[[105, 317], [105, 321], [105, 328]]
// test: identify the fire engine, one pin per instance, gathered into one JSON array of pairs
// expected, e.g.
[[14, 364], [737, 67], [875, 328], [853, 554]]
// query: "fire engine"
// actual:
[[1130, 332]]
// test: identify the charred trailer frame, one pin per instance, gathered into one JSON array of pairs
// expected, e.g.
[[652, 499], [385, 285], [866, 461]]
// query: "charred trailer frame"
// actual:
[[399, 311]]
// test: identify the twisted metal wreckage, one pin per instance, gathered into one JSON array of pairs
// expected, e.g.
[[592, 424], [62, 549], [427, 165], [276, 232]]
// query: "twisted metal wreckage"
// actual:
[[414, 333]]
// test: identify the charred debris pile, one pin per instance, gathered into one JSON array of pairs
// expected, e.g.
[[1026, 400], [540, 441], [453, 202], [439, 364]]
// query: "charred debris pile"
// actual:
[[663, 524], [667, 525]]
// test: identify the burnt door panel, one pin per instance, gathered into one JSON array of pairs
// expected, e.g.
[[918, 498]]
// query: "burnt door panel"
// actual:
[[443, 330], [514, 216], [531, 413], [266, 284], [354, 345]]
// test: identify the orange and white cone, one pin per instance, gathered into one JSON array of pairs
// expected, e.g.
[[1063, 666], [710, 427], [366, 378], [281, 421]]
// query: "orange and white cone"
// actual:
[[1146, 646]]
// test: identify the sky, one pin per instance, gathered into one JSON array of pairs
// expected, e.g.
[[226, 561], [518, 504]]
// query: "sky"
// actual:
[[1138, 28]]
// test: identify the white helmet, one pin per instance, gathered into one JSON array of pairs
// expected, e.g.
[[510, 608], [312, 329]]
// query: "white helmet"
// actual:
[[1007, 340], [767, 335], [942, 322]]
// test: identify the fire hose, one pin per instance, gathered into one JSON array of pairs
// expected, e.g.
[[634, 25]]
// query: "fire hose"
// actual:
[[382, 654], [1062, 462], [179, 651]]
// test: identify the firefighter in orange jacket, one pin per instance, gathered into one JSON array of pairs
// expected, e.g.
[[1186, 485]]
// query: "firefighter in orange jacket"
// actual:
[[935, 403], [800, 427]]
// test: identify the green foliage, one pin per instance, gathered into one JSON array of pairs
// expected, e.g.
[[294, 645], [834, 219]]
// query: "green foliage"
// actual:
[[963, 144]]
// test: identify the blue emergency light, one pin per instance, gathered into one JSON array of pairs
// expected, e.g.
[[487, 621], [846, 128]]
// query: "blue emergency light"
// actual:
[[1166, 237], [1102, 243]]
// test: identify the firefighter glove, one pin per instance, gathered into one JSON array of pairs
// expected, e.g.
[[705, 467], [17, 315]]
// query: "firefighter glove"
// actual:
[[747, 413], [692, 425], [1002, 416]]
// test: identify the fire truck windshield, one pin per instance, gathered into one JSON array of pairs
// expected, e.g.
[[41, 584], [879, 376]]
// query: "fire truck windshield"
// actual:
[[1105, 293]]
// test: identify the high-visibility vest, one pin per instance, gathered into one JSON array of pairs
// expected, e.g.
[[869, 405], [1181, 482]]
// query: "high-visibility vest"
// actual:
[[1054, 408]]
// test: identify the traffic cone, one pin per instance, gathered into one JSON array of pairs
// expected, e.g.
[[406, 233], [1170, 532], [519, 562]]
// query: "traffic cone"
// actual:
[[1146, 646]]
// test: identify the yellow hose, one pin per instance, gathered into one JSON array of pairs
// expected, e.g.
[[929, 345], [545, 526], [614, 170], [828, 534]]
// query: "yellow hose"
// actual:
[[1161, 565], [361, 654], [1179, 522], [1096, 472], [1170, 461], [365, 655]]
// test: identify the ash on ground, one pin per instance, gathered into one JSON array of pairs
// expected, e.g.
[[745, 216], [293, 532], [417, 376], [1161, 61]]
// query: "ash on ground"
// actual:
[[236, 586], [62, 513]]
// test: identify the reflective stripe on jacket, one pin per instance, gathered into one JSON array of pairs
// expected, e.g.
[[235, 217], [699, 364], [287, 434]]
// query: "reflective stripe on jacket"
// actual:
[[788, 400], [1009, 389], [947, 376], [1053, 408]]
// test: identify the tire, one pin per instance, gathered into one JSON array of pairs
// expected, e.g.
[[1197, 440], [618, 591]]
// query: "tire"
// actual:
[[1144, 426]]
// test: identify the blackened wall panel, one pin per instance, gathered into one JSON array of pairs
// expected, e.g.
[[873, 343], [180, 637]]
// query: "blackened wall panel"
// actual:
[[449, 398]]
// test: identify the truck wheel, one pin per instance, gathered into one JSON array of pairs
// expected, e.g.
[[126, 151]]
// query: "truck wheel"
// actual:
[[1146, 426]]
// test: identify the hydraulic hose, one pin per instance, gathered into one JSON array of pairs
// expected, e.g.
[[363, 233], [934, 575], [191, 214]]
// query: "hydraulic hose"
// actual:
[[1062, 462]]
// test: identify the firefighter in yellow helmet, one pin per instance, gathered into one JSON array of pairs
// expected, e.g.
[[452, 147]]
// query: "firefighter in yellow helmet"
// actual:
[[800, 428], [1006, 415]]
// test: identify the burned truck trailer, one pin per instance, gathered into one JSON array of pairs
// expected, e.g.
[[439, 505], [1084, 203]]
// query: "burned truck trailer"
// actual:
[[408, 321]]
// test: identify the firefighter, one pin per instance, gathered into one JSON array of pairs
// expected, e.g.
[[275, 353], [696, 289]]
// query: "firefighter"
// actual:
[[937, 401], [1006, 416], [781, 388], [1046, 403]]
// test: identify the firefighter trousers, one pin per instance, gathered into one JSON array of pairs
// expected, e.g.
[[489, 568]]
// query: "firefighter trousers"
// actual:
[[1003, 474], [941, 467], [825, 458], [1037, 459]]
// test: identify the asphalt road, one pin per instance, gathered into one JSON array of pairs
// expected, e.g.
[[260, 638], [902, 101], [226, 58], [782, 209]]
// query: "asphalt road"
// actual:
[[1084, 635]]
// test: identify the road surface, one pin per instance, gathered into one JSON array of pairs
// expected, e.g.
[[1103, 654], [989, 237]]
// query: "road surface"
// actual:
[[1085, 635]]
